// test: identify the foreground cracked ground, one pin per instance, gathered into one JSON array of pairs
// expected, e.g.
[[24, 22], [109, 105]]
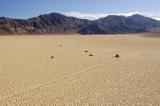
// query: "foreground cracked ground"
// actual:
[[29, 77]]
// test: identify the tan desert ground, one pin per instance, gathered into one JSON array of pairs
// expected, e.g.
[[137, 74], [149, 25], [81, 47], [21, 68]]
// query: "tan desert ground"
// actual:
[[79, 70]]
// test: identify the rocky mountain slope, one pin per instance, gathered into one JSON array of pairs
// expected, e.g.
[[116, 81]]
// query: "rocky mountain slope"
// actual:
[[56, 23]]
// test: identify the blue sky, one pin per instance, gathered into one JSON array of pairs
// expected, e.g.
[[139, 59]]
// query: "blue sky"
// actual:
[[90, 9]]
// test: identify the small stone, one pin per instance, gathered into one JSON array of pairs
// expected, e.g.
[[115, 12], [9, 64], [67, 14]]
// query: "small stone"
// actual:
[[90, 54], [52, 57], [117, 56]]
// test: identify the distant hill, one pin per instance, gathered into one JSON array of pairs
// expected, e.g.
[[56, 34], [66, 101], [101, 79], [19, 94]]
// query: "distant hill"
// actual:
[[56, 23], [121, 24]]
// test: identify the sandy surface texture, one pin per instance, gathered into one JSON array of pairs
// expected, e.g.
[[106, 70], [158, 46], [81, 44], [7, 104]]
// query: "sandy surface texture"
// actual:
[[79, 71]]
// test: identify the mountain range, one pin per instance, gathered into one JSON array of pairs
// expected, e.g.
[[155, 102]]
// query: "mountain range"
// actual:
[[56, 23]]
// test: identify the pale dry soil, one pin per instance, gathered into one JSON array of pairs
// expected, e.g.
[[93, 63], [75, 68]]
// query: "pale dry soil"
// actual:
[[30, 77]]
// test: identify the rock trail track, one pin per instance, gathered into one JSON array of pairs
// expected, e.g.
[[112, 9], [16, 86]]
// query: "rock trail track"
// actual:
[[88, 93], [28, 77]]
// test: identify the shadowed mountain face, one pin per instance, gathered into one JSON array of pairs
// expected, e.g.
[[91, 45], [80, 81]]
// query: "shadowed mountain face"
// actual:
[[49, 23], [120, 24], [57, 23]]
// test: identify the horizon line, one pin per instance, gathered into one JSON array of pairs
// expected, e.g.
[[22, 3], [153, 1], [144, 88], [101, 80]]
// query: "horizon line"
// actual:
[[94, 16]]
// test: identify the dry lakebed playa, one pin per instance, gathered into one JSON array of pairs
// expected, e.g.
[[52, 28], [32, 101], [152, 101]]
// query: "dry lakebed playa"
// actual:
[[80, 70]]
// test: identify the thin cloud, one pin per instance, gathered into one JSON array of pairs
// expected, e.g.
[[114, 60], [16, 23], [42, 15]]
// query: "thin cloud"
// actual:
[[94, 16], [158, 18], [152, 15]]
